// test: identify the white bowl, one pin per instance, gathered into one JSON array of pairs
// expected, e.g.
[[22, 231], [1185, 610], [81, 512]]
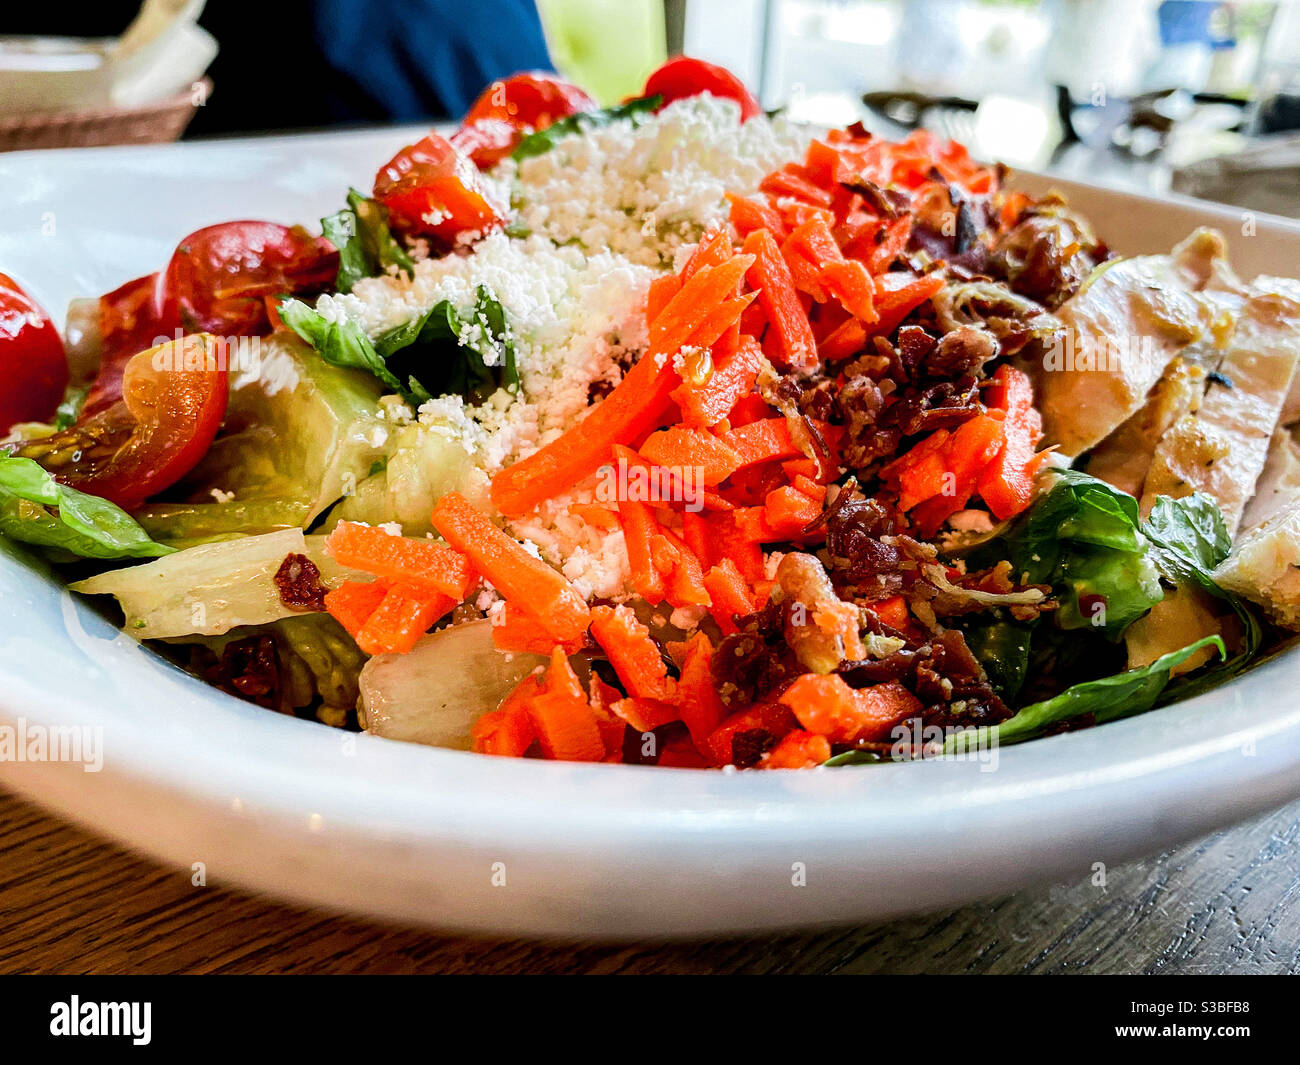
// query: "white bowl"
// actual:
[[302, 811]]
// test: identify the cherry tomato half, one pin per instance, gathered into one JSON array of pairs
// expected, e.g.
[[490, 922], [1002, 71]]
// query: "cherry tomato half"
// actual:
[[486, 141], [130, 320], [431, 189], [218, 276], [683, 76], [534, 99], [173, 400], [33, 366]]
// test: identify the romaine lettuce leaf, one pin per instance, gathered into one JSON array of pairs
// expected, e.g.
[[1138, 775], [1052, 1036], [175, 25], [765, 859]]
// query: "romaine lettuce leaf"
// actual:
[[299, 434], [36, 509], [437, 353], [543, 140], [366, 245]]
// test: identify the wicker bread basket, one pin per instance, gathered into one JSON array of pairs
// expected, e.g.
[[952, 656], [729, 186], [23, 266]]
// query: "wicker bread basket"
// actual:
[[155, 123]]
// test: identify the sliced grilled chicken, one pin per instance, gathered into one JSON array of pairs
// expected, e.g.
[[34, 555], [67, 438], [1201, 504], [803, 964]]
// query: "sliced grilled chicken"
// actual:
[[1124, 457], [1220, 448], [1123, 329], [1264, 566], [1279, 485]]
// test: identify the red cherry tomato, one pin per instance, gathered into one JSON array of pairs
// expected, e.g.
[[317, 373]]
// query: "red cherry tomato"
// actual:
[[33, 367], [531, 100], [487, 141], [218, 277], [431, 189], [683, 76], [129, 321], [173, 400]]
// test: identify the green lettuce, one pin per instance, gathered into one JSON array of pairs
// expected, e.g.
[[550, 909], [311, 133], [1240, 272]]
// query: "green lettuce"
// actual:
[[543, 140], [438, 353], [36, 509], [1107, 699], [366, 245]]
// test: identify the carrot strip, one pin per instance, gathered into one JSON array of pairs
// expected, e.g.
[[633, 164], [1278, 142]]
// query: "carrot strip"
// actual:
[[662, 290], [714, 249], [770, 276], [509, 730], [785, 182], [825, 705], [896, 299], [405, 614], [515, 629], [595, 514], [1007, 485], [892, 611], [730, 595], [683, 574], [849, 283], [352, 602], [632, 652], [762, 441], [639, 529], [787, 511], [798, 750], [514, 573], [374, 550], [645, 715], [687, 310], [749, 215], [566, 724], [732, 379], [680, 448], [698, 704]]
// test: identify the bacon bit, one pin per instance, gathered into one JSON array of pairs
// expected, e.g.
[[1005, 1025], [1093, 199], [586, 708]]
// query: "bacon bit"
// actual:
[[299, 584]]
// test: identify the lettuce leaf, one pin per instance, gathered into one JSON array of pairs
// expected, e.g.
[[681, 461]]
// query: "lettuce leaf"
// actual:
[[543, 140], [438, 353], [1122, 695], [1188, 539], [36, 509], [366, 245], [1084, 538]]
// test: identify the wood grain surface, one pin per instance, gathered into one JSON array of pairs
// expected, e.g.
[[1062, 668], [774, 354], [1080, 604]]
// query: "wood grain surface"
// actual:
[[70, 903]]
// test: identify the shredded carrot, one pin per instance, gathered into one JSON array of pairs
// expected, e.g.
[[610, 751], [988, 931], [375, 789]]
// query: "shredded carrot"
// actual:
[[1007, 484], [509, 730], [698, 702], [798, 750], [566, 725], [787, 511], [518, 630], [632, 652], [681, 448], [645, 715], [595, 514], [749, 215], [714, 249], [639, 529], [827, 706], [770, 276], [516, 574], [762, 441], [729, 595], [732, 379], [352, 602], [892, 611], [897, 295], [683, 574], [374, 550], [402, 617]]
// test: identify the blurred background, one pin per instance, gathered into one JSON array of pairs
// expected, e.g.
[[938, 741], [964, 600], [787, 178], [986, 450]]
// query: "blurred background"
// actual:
[[1197, 96]]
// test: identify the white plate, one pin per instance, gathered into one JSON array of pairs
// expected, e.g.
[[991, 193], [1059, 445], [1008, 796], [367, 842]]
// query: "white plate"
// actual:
[[302, 811]]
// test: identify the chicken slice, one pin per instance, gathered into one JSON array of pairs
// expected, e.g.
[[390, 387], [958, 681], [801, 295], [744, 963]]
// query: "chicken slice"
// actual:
[[1123, 329]]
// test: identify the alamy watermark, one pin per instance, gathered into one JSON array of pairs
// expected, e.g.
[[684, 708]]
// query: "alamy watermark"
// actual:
[[27, 742]]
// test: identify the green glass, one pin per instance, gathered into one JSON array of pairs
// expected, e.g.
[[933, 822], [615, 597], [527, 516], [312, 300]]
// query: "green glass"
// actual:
[[608, 47]]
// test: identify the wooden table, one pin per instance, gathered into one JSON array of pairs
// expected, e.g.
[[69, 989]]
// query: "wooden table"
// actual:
[[70, 903]]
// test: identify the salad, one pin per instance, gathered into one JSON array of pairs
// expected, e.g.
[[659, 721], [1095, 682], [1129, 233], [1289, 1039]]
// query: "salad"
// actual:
[[673, 433]]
